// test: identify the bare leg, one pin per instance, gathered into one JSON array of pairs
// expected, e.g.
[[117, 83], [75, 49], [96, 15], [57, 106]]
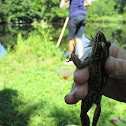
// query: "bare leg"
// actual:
[[71, 46], [79, 47]]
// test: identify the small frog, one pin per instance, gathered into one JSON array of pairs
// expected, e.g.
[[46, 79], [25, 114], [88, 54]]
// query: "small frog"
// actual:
[[96, 62]]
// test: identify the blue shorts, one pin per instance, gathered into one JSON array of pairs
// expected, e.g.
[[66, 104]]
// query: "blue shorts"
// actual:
[[76, 26]]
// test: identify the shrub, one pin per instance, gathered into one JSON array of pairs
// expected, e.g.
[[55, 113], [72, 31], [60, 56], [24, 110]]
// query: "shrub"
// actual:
[[38, 43]]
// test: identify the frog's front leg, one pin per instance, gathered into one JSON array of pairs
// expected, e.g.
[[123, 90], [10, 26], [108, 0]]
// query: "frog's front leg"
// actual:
[[79, 63]]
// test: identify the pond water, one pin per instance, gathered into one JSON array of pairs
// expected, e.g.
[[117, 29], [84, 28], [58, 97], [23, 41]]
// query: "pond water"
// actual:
[[8, 33], [115, 32]]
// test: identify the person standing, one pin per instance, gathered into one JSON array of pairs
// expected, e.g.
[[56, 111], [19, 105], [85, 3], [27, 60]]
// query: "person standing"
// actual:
[[76, 24]]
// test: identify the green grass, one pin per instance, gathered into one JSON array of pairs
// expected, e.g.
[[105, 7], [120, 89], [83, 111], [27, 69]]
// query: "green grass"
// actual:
[[107, 19], [32, 93]]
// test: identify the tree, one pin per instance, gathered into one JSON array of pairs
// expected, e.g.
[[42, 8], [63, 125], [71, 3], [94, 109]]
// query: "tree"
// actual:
[[3, 12], [21, 11], [120, 6], [102, 8], [53, 12]]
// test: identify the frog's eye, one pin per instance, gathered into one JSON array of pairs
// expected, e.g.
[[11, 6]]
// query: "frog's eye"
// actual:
[[103, 45]]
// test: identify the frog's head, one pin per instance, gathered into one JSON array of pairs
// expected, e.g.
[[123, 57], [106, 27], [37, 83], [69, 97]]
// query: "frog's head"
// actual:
[[99, 44], [100, 39]]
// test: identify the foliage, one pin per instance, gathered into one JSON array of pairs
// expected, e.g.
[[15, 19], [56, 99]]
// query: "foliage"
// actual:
[[21, 11], [53, 12], [102, 8], [43, 28], [120, 6], [40, 39], [3, 13]]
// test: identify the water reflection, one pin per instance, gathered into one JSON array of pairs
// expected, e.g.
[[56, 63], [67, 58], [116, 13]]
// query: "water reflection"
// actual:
[[8, 33], [111, 31]]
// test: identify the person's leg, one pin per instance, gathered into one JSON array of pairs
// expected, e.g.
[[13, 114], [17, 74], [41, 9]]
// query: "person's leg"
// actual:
[[79, 47], [71, 34], [79, 33], [71, 46]]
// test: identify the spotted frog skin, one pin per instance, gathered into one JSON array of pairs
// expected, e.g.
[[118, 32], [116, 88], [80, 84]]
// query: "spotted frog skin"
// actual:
[[98, 77]]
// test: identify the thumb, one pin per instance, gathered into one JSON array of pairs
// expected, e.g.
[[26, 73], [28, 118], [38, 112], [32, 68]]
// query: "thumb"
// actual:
[[116, 67]]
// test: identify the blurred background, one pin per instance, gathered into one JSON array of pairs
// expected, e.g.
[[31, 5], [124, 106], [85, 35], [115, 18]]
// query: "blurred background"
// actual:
[[32, 85]]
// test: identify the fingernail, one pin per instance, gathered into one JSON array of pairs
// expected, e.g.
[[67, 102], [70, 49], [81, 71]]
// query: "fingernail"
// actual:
[[117, 68], [74, 89]]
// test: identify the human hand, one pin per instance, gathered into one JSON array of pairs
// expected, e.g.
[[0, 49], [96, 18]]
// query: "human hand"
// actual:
[[66, 0], [116, 84], [87, 3]]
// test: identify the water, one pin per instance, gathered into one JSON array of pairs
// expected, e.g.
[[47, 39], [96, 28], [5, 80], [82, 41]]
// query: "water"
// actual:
[[8, 33], [115, 32]]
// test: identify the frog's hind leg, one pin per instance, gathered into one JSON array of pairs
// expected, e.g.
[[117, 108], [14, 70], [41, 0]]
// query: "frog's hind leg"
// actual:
[[97, 110], [96, 115], [85, 106]]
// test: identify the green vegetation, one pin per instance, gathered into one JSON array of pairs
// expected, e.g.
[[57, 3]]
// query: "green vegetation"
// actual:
[[107, 11], [22, 11], [31, 91]]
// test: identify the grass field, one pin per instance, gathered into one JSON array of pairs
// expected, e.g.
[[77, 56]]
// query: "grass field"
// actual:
[[32, 93]]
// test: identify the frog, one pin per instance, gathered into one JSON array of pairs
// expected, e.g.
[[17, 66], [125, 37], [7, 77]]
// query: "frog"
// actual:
[[95, 60]]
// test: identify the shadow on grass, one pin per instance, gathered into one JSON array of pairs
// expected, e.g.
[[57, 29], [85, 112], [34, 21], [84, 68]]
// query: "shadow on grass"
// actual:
[[8, 113], [10, 104], [63, 117]]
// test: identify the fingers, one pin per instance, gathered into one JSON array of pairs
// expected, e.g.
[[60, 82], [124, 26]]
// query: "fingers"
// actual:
[[76, 94], [117, 52], [81, 75], [115, 89], [80, 86], [116, 67], [115, 64], [114, 50]]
